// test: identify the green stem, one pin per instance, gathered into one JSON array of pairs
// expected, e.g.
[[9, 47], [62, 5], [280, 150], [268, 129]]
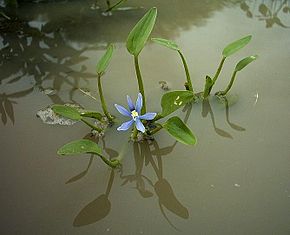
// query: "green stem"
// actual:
[[158, 116], [104, 106], [188, 79], [135, 133], [217, 73], [140, 83], [114, 163], [91, 125], [114, 6], [223, 93], [156, 129]]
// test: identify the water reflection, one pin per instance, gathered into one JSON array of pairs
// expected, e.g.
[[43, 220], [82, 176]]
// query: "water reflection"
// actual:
[[7, 102], [98, 209], [46, 46], [148, 153], [207, 109], [270, 11]]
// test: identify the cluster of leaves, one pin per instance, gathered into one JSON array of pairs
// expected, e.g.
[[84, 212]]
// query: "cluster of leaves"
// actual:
[[170, 101]]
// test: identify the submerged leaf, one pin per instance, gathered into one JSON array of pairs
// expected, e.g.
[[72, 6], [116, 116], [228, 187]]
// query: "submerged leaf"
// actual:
[[105, 60], [80, 146], [236, 45], [167, 43], [177, 129], [141, 32], [67, 111], [244, 62], [174, 100]]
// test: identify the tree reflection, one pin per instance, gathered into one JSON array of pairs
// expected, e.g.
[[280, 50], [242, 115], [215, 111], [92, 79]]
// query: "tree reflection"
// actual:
[[269, 11]]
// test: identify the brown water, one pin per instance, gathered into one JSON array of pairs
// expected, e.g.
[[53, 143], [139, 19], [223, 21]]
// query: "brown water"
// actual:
[[236, 180]]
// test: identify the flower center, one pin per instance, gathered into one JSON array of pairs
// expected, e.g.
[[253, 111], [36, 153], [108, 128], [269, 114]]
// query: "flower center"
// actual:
[[134, 115]]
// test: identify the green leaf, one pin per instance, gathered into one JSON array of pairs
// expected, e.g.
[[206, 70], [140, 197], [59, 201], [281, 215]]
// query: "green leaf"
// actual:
[[174, 100], [236, 45], [91, 114], [167, 43], [79, 147], [66, 111], [141, 32], [177, 129], [244, 62], [105, 60]]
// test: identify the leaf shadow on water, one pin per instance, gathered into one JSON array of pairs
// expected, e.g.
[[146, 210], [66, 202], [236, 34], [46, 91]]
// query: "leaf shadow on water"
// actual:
[[207, 109], [148, 153], [267, 11], [6, 104], [99, 208], [96, 210]]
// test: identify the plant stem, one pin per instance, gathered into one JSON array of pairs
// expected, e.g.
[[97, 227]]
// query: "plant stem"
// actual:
[[104, 106], [223, 93], [156, 129], [217, 73], [135, 133], [112, 164], [188, 79], [158, 116], [114, 6], [140, 83], [92, 126]]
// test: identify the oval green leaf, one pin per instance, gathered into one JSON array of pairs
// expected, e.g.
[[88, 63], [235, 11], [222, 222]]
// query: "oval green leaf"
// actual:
[[244, 62], [167, 43], [66, 111], [79, 147], [105, 60], [141, 32], [236, 45], [177, 129], [174, 100]]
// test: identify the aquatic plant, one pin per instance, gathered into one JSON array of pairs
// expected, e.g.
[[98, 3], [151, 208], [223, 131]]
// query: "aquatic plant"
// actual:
[[144, 124]]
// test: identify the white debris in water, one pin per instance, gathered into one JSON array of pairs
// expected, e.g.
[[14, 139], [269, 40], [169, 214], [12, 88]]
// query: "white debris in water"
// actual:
[[49, 117], [237, 185]]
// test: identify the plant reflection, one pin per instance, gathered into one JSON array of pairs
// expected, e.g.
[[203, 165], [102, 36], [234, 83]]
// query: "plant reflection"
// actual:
[[98, 209], [6, 104], [149, 153], [206, 109], [101, 206], [267, 11]]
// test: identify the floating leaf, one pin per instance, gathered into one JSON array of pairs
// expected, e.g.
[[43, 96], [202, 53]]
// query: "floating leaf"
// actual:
[[105, 60], [66, 111], [244, 62], [177, 129], [236, 45], [141, 32], [167, 43], [79, 147], [174, 100]]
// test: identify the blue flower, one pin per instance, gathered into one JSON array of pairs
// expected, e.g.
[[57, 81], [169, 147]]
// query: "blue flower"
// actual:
[[134, 113]]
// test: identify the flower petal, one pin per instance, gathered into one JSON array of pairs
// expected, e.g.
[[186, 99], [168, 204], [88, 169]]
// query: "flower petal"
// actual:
[[139, 103], [139, 125], [122, 110], [148, 116], [130, 103], [125, 126]]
